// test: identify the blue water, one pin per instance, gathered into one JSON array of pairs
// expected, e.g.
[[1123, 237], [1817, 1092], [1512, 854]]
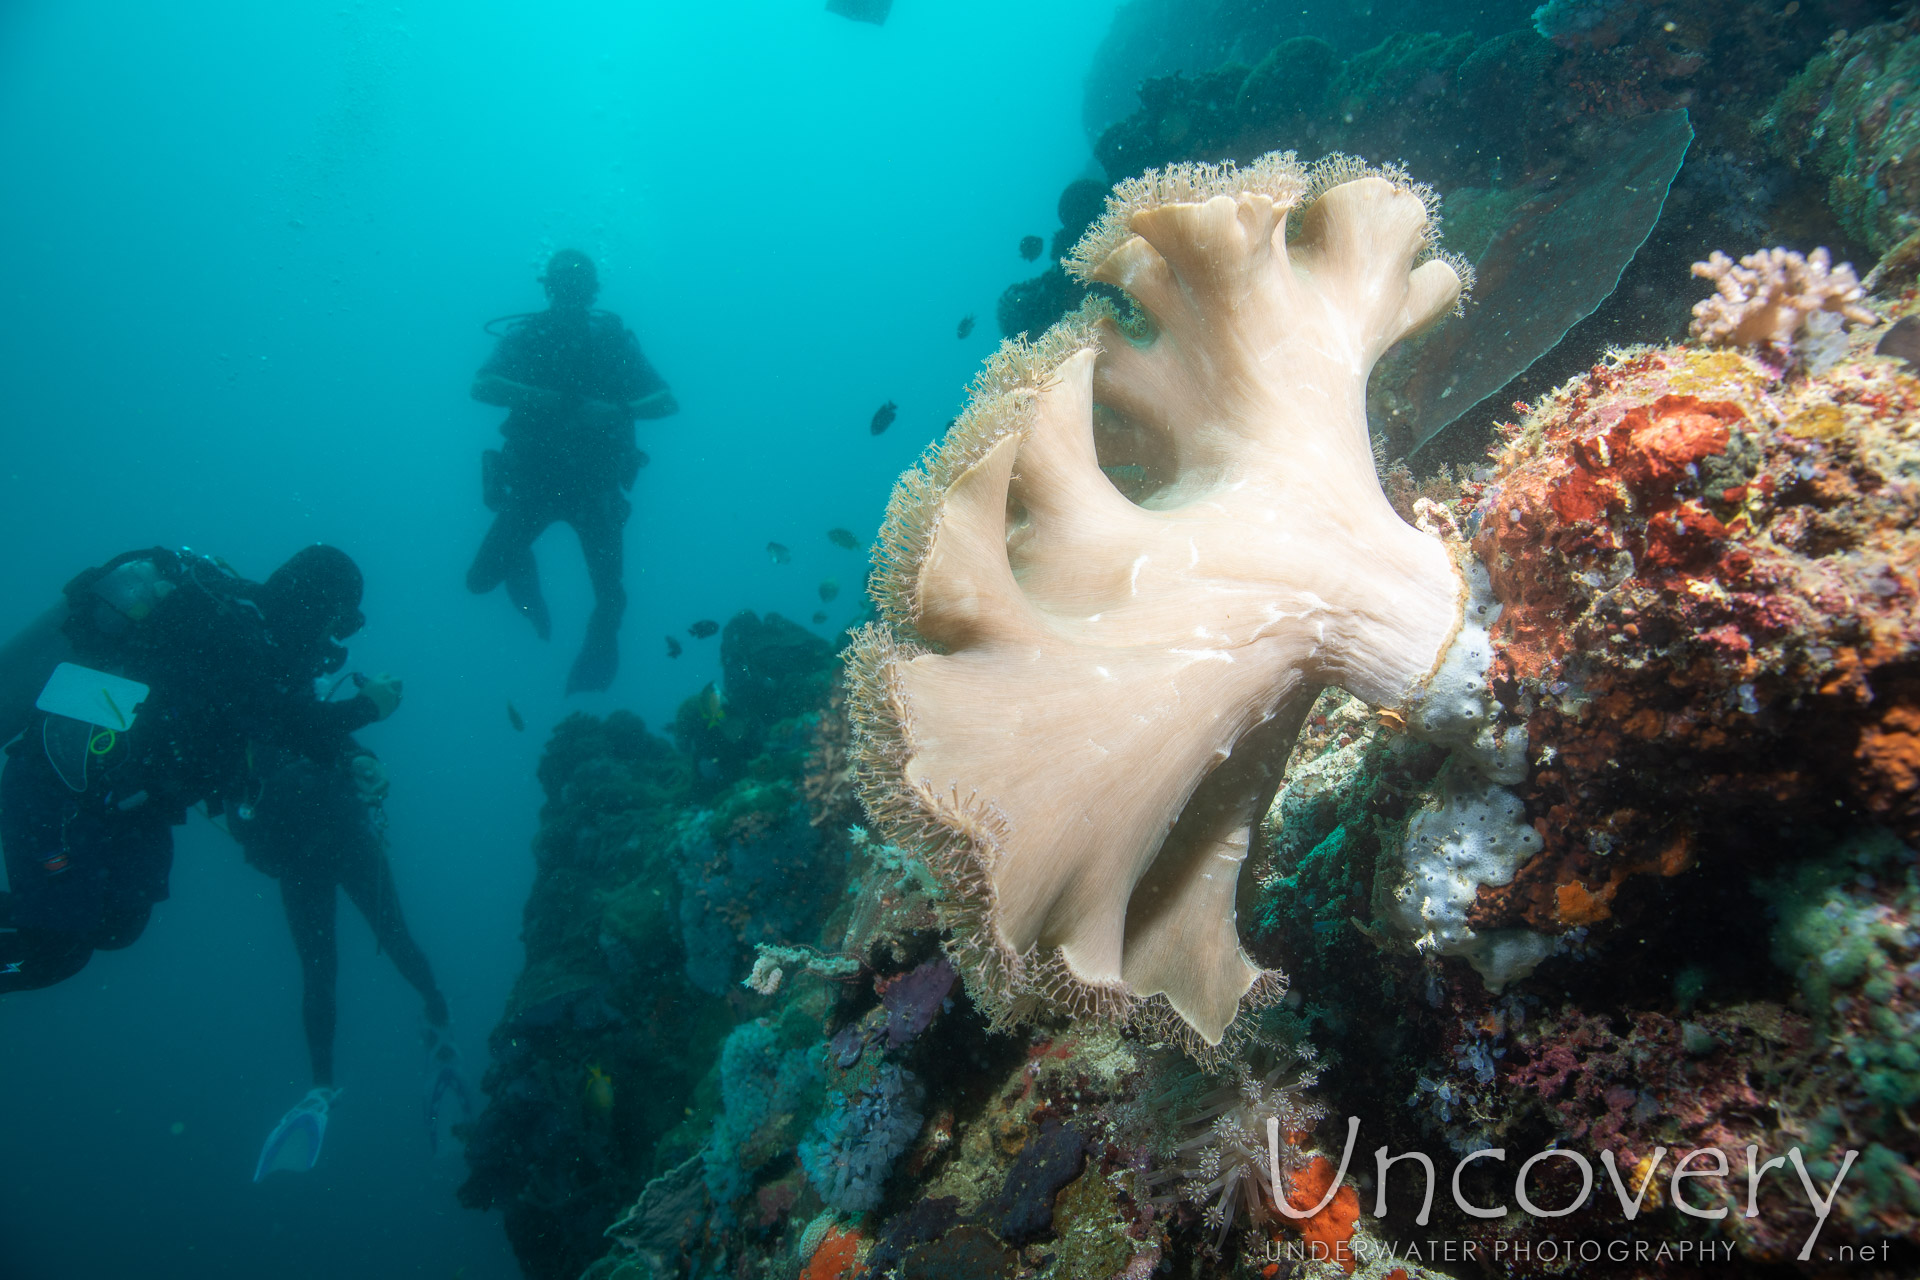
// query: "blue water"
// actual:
[[247, 252]]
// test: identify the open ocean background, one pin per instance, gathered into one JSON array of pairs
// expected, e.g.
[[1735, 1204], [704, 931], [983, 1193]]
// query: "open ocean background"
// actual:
[[249, 249]]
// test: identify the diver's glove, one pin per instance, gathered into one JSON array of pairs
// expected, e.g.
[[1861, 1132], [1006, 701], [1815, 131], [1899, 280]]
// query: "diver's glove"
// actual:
[[383, 691], [370, 780], [294, 1144], [445, 1080]]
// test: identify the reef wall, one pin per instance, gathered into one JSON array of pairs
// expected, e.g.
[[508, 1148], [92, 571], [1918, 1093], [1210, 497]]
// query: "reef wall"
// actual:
[[1654, 914]]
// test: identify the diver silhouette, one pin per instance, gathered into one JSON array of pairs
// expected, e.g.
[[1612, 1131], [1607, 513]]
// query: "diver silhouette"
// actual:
[[211, 668], [574, 380], [316, 825]]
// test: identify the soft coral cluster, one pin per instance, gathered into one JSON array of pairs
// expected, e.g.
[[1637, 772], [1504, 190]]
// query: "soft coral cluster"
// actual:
[[1769, 298]]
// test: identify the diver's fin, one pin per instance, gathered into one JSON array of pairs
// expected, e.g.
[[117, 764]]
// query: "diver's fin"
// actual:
[[599, 661], [294, 1144], [445, 1080]]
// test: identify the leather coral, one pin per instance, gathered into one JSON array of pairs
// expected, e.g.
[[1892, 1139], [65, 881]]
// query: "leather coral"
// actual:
[[1079, 703]]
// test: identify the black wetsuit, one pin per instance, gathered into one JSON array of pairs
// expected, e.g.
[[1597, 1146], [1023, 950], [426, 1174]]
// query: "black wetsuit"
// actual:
[[310, 829], [558, 468], [86, 819]]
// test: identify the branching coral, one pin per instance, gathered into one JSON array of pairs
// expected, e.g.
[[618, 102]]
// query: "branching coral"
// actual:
[[1771, 296], [1080, 704]]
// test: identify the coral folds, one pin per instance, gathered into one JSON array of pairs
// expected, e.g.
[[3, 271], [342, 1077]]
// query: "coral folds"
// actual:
[[1083, 701]]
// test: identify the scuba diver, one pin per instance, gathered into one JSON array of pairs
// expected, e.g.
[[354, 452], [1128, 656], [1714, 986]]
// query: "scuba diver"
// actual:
[[156, 676], [574, 380], [317, 826]]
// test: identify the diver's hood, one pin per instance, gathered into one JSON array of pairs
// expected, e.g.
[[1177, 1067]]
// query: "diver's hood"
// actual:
[[314, 598]]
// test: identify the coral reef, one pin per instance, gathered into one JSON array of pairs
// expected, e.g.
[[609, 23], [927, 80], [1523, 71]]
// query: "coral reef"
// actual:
[[1606, 882], [1704, 566], [604, 973], [1529, 126], [1852, 117], [659, 869], [1667, 673]]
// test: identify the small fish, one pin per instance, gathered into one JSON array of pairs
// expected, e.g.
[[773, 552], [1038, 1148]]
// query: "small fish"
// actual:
[[843, 538], [883, 417], [779, 553], [829, 589], [1030, 247], [599, 1090], [513, 718], [1902, 342], [819, 617], [966, 326], [673, 647], [703, 628], [707, 703]]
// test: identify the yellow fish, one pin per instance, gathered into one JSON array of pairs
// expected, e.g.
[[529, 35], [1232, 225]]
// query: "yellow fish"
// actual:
[[711, 709], [599, 1091]]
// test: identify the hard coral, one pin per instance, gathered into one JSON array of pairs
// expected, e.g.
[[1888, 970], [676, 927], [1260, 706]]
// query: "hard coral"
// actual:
[[1772, 297], [1080, 703]]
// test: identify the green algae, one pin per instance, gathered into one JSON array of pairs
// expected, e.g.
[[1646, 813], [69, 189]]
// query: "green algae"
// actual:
[[1853, 118], [1844, 929], [1091, 1233]]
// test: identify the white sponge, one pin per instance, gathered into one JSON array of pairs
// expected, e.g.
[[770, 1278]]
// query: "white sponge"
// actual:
[[1457, 708], [1476, 835]]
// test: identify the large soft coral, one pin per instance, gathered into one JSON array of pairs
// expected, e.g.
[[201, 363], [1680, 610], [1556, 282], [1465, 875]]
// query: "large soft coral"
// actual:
[[1082, 702]]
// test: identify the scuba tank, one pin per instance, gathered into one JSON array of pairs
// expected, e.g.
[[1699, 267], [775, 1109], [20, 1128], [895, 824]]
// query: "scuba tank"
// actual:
[[113, 625], [124, 594]]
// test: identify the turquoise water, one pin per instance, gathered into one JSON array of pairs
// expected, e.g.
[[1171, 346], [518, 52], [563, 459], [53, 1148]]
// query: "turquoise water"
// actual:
[[250, 249], [251, 254]]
